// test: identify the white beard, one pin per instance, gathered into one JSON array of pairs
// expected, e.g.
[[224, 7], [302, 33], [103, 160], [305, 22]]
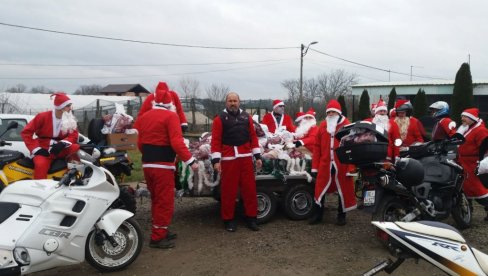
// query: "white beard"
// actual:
[[332, 123], [68, 122], [304, 127], [382, 120], [462, 129]]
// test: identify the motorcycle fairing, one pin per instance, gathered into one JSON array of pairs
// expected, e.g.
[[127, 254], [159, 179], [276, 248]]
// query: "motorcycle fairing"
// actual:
[[112, 219]]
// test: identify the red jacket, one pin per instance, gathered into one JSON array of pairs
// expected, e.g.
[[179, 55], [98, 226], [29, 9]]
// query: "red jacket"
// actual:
[[270, 120], [148, 105], [413, 133], [444, 128], [468, 156], [160, 127], [393, 134], [323, 158], [230, 152], [42, 127], [309, 139]]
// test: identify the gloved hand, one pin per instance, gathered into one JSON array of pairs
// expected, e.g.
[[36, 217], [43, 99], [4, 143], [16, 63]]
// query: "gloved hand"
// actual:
[[42, 152], [298, 144], [57, 148], [314, 174], [184, 128]]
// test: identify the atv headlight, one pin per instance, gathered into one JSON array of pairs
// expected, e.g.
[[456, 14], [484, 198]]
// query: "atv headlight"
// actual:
[[21, 255]]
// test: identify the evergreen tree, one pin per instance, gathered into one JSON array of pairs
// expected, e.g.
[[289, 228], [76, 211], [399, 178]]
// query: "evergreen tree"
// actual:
[[364, 111], [392, 98], [342, 101], [462, 95], [420, 104]]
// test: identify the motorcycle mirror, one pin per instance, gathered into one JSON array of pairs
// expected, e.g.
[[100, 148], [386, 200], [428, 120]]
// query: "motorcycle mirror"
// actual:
[[398, 142], [11, 125], [85, 156]]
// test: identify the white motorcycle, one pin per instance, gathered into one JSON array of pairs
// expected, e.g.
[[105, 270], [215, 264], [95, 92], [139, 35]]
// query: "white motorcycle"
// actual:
[[47, 223], [438, 243]]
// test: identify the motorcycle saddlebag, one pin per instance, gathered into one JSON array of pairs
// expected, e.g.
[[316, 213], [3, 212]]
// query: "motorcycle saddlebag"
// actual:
[[362, 153]]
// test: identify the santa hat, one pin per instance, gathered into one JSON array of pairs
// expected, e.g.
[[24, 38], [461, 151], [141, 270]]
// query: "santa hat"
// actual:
[[277, 103], [400, 103], [162, 96], [61, 100], [472, 113], [392, 113], [333, 105], [380, 106], [299, 116], [373, 106]]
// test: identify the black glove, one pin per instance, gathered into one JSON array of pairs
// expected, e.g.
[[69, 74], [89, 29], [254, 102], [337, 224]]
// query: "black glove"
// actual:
[[42, 152], [298, 144], [184, 128], [314, 174], [57, 148]]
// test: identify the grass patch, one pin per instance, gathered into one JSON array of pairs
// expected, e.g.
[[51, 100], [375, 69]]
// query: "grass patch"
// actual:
[[137, 174]]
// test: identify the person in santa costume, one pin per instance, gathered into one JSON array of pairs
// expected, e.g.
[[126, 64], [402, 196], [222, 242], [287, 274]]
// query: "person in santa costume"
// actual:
[[331, 176], [149, 103], [411, 129], [471, 152], [381, 119], [234, 142], [51, 134], [306, 131], [277, 120], [160, 139], [444, 126]]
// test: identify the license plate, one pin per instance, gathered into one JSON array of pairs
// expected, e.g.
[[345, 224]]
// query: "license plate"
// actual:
[[368, 199]]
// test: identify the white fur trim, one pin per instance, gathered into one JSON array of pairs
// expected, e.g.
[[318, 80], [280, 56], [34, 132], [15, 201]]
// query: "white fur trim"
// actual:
[[158, 166], [256, 150], [379, 108], [190, 160], [333, 109], [216, 155], [61, 106], [278, 104], [471, 116]]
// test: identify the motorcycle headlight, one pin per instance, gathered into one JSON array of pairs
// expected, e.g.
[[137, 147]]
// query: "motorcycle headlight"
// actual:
[[21, 255]]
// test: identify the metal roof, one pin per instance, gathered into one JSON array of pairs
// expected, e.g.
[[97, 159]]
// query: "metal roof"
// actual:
[[122, 88], [412, 83]]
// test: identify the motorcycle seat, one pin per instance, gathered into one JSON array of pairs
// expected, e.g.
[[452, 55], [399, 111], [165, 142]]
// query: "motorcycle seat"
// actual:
[[482, 259], [433, 228], [56, 165]]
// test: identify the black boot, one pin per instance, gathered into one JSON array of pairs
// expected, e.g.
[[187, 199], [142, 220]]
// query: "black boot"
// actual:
[[230, 225], [317, 214], [341, 215], [252, 223]]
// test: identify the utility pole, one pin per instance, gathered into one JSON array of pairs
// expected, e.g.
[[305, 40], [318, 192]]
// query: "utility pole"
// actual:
[[303, 52]]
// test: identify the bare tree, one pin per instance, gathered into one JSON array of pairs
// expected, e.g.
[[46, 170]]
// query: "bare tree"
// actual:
[[93, 89], [9, 103], [19, 88], [292, 87], [190, 88], [41, 90], [216, 96]]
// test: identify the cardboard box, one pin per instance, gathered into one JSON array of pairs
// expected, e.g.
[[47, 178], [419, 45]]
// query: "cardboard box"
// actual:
[[122, 141]]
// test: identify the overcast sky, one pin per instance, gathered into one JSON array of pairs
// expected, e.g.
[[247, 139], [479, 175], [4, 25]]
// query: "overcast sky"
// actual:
[[435, 37]]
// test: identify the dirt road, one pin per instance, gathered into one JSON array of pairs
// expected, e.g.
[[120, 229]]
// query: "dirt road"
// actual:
[[282, 247]]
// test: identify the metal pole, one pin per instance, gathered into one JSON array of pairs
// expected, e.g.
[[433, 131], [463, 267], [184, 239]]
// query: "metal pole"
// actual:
[[300, 100], [411, 66]]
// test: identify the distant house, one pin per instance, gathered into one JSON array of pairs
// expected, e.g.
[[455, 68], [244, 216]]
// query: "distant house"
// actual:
[[125, 90]]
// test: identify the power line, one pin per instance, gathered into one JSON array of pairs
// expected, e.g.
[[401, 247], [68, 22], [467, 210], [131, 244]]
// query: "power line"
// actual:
[[145, 42], [140, 65], [373, 67]]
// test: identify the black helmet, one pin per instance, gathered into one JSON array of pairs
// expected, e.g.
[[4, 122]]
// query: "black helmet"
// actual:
[[410, 172], [405, 107]]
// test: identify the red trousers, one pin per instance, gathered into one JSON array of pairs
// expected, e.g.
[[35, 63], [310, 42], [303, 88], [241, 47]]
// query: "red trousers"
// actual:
[[42, 163], [238, 173], [161, 184]]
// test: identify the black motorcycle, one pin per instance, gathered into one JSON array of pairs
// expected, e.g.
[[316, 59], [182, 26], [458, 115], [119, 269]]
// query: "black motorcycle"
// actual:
[[425, 184]]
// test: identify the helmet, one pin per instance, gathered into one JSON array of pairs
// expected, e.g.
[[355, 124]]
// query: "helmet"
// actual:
[[410, 172], [404, 107], [439, 109]]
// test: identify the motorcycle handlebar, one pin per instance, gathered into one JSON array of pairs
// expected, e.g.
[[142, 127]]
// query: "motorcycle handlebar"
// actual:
[[68, 177], [4, 143]]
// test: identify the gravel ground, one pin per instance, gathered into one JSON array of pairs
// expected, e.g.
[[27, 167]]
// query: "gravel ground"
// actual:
[[282, 247]]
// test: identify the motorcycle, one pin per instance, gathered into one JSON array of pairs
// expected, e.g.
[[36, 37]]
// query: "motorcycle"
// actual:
[[410, 189], [48, 223], [437, 243], [14, 166]]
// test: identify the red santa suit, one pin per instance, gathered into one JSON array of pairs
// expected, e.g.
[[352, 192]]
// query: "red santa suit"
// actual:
[[324, 159], [148, 103], [234, 142], [468, 154], [444, 128], [47, 129], [160, 139], [410, 130], [308, 137], [285, 121]]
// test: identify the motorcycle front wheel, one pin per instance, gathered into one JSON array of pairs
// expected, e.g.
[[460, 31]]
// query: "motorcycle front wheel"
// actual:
[[100, 253], [461, 212]]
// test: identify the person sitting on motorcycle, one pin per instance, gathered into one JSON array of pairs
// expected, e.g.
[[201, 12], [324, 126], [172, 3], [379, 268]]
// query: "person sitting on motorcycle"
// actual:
[[381, 119], [444, 126], [411, 129], [474, 149], [56, 135]]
